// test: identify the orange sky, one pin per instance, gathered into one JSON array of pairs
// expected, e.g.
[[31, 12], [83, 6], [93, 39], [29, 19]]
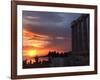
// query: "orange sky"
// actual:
[[34, 44], [46, 31]]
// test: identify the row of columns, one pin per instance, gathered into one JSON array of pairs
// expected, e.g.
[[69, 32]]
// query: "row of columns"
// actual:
[[80, 34]]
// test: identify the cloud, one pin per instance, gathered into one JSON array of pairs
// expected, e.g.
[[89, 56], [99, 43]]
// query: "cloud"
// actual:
[[35, 40], [32, 17], [57, 19], [60, 38], [67, 18], [29, 20], [46, 31]]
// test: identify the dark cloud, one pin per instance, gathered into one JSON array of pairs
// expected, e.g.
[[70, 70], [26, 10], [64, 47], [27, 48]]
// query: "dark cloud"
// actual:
[[52, 24], [50, 31], [52, 18]]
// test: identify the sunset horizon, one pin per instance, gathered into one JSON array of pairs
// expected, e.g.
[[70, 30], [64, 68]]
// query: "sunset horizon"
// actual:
[[46, 31]]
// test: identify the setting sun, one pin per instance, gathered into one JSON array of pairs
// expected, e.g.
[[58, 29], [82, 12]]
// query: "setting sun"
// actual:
[[32, 53]]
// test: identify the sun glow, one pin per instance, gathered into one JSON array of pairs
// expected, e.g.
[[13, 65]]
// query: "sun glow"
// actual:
[[32, 53]]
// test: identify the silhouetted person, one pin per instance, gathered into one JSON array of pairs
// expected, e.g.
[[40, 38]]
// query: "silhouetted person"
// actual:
[[36, 59]]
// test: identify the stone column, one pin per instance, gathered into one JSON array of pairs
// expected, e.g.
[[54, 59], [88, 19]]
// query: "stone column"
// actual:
[[85, 33], [74, 36], [80, 34], [87, 21]]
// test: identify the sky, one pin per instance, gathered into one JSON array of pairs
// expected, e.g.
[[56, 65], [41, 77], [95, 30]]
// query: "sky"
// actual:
[[46, 31]]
